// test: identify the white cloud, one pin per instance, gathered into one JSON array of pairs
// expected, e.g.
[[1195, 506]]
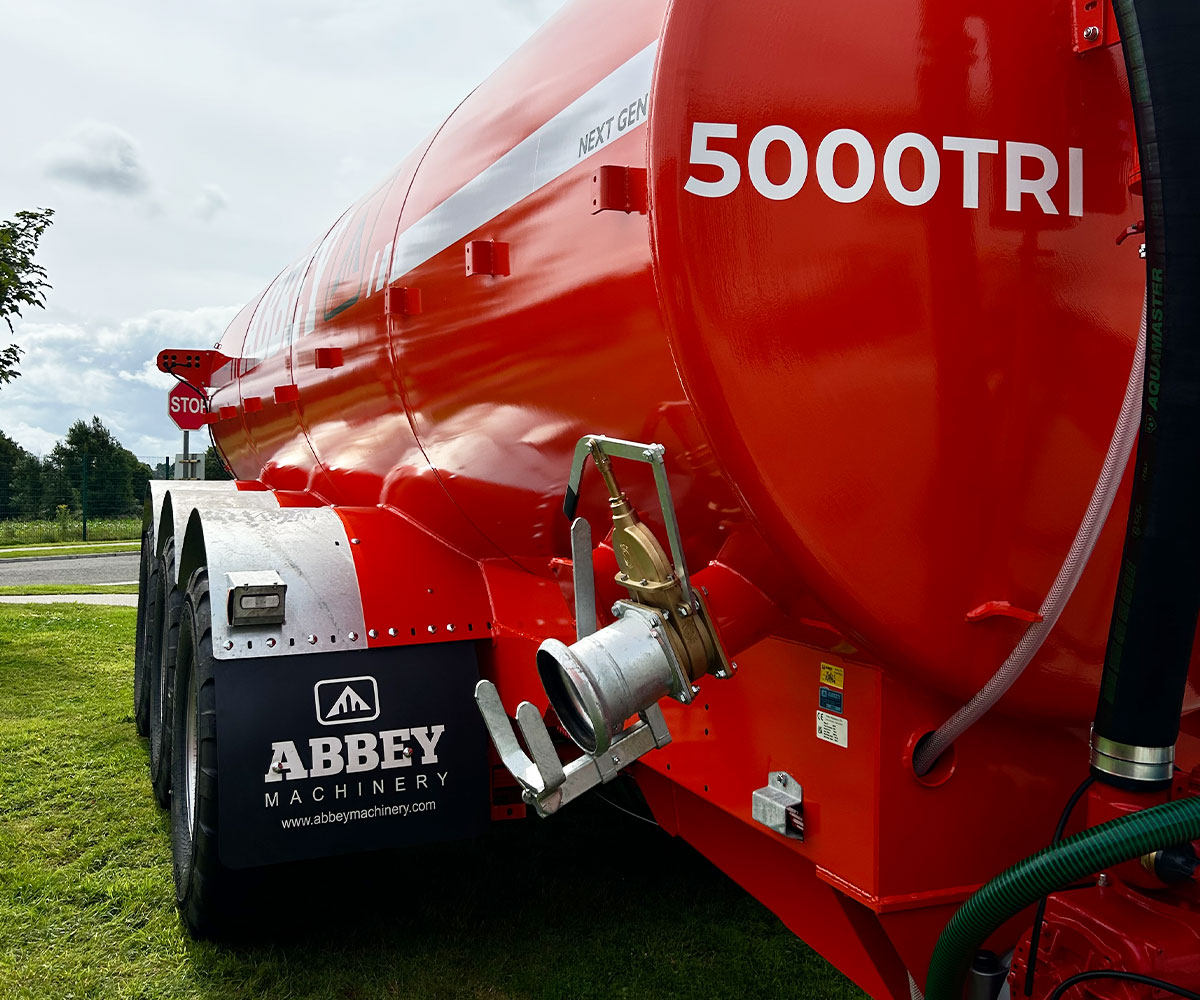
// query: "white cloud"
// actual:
[[242, 136], [73, 370], [211, 202], [33, 439], [100, 157]]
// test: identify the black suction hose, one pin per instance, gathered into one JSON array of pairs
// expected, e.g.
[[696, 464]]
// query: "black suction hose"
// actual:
[[1158, 591]]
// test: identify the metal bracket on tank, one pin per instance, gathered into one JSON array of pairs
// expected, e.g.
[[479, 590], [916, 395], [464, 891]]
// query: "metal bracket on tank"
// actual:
[[546, 783]]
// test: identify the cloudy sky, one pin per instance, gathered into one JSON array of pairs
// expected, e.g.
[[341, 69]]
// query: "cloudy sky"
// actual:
[[190, 151]]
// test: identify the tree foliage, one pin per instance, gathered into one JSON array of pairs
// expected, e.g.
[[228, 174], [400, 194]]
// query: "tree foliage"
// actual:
[[36, 488], [22, 281], [214, 468]]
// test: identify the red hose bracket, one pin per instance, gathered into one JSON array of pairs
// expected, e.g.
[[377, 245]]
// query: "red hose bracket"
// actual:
[[990, 609]]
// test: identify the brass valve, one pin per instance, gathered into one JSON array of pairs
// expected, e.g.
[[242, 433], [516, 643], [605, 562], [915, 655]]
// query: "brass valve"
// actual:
[[645, 572]]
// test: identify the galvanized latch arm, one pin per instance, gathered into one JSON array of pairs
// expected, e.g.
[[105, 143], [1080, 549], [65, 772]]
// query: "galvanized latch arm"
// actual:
[[652, 455]]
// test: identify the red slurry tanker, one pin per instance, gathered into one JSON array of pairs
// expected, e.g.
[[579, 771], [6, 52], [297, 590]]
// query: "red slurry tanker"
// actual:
[[741, 397]]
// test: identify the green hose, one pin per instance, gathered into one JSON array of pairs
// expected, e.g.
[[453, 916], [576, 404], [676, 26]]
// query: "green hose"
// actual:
[[1027, 881]]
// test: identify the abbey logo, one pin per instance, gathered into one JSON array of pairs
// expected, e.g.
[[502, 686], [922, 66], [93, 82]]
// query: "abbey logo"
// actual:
[[346, 699], [343, 700]]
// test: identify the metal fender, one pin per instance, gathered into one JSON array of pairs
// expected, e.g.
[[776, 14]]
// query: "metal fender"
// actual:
[[169, 507], [294, 580], [293, 563]]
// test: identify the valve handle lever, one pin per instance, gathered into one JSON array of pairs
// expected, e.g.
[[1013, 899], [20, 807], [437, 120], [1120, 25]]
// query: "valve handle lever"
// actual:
[[651, 454]]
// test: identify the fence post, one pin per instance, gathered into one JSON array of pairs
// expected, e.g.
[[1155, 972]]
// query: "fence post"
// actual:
[[83, 494]]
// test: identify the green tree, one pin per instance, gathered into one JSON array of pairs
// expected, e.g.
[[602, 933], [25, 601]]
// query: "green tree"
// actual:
[[27, 487], [116, 480], [11, 455], [22, 282], [214, 468]]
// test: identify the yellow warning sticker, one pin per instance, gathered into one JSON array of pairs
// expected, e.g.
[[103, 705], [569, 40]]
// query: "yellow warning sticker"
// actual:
[[832, 676]]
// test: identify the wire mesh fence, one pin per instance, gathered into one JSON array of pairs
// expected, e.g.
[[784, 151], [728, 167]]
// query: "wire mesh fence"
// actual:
[[68, 528], [85, 499]]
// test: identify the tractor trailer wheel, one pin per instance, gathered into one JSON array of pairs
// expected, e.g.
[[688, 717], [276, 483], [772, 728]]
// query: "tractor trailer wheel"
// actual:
[[168, 606], [207, 893], [141, 683]]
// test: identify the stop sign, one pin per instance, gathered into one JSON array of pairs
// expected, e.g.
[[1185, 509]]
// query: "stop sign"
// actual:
[[186, 406]]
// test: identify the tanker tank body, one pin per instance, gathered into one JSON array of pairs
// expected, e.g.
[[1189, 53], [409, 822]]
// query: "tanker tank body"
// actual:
[[822, 304]]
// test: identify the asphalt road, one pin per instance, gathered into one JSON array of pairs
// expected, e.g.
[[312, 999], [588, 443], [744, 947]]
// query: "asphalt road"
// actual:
[[121, 567]]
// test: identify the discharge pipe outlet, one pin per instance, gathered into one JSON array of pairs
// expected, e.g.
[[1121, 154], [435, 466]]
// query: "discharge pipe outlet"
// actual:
[[663, 640], [599, 682]]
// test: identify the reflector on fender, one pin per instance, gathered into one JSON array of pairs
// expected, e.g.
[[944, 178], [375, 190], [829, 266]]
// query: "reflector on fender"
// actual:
[[256, 598]]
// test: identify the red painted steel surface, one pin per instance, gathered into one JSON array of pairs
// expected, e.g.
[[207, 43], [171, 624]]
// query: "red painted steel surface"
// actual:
[[878, 416], [914, 401]]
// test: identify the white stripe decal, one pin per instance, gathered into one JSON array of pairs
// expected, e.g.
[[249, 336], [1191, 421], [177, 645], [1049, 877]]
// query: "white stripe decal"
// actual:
[[573, 135]]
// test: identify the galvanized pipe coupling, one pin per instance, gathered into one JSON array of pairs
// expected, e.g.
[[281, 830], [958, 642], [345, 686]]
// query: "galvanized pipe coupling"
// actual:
[[662, 642]]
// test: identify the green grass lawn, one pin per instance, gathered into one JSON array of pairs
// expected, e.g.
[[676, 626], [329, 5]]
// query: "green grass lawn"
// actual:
[[69, 528], [69, 549], [587, 904], [22, 589]]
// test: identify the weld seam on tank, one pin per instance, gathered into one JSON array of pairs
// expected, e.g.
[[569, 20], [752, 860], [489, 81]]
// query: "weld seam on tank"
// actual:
[[1115, 461], [1153, 625]]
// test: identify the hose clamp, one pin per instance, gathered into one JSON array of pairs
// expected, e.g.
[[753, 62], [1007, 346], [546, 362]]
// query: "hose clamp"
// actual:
[[1133, 763]]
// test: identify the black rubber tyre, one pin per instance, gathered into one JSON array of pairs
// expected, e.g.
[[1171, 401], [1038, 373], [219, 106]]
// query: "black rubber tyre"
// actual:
[[168, 606], [141, 682], [208, 894]]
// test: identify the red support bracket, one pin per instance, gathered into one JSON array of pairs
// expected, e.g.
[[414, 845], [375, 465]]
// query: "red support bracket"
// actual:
[[402, 301], [1093, 25], [487, 257], [990, 609], [619, 189], [195, 367], [329, 357], [252, 404], [289, 393]]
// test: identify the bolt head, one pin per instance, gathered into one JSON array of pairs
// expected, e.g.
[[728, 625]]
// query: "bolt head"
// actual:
[[431, 629], [229, 644], [616, 759], [392, 632], [312, 640], [352, 636], [355, 541], [617, 610], [1102, 880], [406, 752], [271, 643], [372, 633], [449, 628], [1090, 34]]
